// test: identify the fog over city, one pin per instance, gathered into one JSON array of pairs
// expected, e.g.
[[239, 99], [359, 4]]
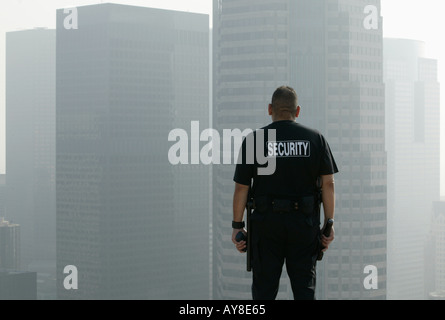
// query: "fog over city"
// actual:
[[121, 122]]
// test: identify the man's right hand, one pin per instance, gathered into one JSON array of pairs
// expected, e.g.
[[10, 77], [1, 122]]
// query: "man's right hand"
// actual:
[[326, 241]]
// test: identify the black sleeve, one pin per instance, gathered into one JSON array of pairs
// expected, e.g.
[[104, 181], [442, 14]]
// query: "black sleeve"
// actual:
[[244, 171], [327, 161]]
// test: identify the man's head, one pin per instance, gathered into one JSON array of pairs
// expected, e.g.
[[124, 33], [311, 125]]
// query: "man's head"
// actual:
[[284, 104]]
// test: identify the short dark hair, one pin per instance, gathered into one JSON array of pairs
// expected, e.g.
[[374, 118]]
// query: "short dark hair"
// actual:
[[285, 99]]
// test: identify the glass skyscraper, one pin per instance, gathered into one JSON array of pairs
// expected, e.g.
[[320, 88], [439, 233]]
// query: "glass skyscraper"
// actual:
[[134, 225], [30, 146], [413, 146], [323, 49]]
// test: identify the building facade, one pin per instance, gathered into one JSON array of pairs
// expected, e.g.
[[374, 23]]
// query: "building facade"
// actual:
[[134, 225], [413, 146], [326, 51], [30, 145]]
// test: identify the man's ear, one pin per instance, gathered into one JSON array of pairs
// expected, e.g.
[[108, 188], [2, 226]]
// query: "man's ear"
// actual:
[[270, 109], [298, 112]]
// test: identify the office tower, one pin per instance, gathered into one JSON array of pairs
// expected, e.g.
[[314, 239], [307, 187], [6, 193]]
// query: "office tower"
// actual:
[[134, 225], [413, 146], [18, 285], [30, 144], [249, 62], [9, 245], [323, 49]]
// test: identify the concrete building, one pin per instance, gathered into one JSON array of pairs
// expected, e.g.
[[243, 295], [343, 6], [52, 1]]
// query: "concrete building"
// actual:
[[413, 146], [322, 49], [134, 225], [30, 145]]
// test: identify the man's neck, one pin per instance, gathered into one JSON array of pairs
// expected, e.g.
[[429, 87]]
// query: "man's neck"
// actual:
[[283, 119]]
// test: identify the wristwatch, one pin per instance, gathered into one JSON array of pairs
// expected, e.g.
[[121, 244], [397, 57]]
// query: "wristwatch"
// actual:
[[238, 225]]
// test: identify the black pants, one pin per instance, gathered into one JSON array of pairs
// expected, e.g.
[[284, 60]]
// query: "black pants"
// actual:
[[279, 238]]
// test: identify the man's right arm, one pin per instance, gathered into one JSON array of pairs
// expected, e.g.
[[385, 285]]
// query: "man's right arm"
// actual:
[[328, 196]]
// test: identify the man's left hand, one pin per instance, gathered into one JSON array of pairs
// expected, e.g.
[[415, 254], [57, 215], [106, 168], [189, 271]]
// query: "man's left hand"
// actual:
[[242, 245]]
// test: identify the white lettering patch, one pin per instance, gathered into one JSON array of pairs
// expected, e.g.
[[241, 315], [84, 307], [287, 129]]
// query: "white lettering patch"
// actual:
[[289, 149]]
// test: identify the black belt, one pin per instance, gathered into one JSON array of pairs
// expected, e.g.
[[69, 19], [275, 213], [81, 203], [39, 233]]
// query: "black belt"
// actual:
[[307, 206], [284, 206]]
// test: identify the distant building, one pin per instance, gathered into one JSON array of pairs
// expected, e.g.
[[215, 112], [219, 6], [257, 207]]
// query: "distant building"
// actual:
[[9, 245], [320, 48], [18, 285], [134, 225], [413, 147], [30, 144]]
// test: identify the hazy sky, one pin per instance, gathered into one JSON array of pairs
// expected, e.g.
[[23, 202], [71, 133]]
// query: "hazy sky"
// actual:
[[413, 19]]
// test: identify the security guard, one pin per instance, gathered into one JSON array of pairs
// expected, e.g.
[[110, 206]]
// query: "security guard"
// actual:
[[286, 220]]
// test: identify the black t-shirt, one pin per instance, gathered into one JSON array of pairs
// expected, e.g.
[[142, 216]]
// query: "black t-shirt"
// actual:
[[302, 155]]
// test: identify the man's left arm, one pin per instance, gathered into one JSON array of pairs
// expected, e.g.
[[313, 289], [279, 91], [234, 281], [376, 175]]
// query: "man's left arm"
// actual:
[[239, 205], [328, 196]]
